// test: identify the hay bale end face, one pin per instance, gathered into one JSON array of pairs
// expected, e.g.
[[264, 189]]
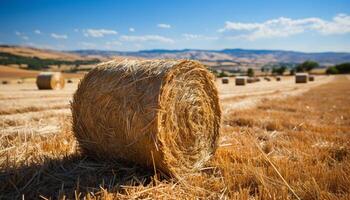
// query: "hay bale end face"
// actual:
[[240, 80], [301, 77], [50, 81], [164, 112], [225, 80]]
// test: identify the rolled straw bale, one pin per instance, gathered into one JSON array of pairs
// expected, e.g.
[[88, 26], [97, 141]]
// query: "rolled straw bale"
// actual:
[[301, 77], [225, 80], [311, 78], [69, 81], [5, 82], [251, 80], [160, 113], [240, 80], [278, 78], [267, 79], [50, 80]]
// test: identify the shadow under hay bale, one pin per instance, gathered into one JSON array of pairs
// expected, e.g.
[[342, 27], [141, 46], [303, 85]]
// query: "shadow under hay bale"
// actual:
[[50, 81], [240, 80], [225, 80], [301, 77], [161, 114], [62, 177]]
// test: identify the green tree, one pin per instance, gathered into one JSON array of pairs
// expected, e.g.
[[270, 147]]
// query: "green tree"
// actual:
[[343, 68], [307, 66], [332, 70], [250, 72], [292, 71]]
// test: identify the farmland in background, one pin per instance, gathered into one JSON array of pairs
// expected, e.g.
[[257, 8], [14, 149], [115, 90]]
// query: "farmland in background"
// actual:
[[279, 140]]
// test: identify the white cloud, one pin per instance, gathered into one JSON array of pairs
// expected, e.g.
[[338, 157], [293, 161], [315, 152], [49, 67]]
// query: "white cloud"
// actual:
[[131, 29], [189, 36], [146, 38], [57, 36], [37, 31], [98, 32], [284, 27], [25, 37], [21, 35], [164, 25], [76, 30]]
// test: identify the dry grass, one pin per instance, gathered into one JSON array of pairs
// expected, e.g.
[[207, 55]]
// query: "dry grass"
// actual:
[[305, 137]]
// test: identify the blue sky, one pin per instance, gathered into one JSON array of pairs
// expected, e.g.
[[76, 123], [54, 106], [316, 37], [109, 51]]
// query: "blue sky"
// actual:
[[310, 26]]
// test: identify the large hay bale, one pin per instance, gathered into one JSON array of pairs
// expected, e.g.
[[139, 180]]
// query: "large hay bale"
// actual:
[[311, 78], [225, 80], [50, 80], [240, 80], [164, 112], [301, 77]]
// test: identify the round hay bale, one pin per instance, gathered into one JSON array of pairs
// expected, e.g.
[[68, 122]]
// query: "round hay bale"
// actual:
[[301, 77], [5, 82], [251, 80], [240, 80], [311, 78], [69, 81], [225, 80], [267, 79], [160, 113], [50, 81], [278, 78]]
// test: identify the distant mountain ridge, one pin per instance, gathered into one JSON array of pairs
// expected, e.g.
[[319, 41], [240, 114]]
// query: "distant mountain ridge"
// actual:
[[236, 55]]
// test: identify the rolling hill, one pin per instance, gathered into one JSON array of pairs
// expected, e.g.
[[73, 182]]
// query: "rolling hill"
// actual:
[[236, 55]]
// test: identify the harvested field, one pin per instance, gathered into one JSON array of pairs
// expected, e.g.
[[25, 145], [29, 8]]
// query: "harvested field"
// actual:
[[279, 141]]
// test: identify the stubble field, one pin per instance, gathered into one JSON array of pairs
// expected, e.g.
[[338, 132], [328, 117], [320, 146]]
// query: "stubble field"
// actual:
[[279, 140]]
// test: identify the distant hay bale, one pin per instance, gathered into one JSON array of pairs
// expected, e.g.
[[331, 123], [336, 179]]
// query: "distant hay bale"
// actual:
[[257, 79], [50, 80], [164, 112], [278, 78], [311, 78], [225, 80], [9, 81], [267, 79], [301, 77], [240, 80], [69, 81], [251, 80]]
